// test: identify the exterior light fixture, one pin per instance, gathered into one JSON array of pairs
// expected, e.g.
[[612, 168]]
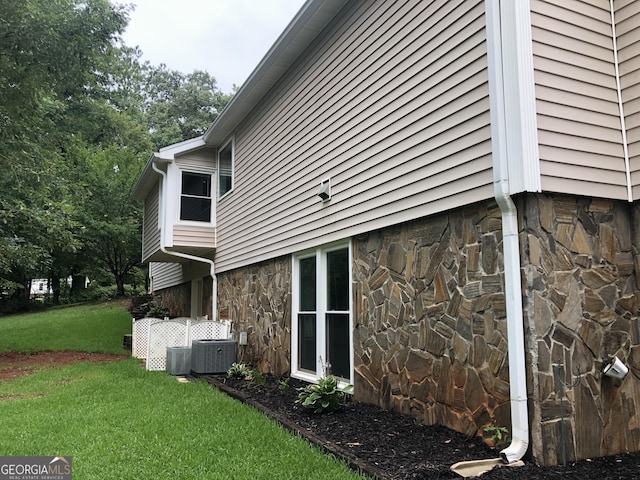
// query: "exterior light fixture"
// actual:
[[615, 368], [325, 190]]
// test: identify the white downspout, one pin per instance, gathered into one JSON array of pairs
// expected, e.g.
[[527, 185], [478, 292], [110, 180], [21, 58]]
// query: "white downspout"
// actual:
[[623, 123], [512, 279], [214, 289]]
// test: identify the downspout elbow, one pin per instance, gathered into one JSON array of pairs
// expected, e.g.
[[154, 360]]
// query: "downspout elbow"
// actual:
[[515, 451]]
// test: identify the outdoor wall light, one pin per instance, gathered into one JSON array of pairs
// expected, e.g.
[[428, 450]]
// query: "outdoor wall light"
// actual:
[[614, 367], [325, 190]]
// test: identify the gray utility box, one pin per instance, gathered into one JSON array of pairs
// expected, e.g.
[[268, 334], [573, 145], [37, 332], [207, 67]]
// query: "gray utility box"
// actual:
[[212, 356], [179, 360]]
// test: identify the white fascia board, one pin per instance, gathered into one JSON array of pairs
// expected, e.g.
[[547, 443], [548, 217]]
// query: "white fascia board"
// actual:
[[170, 152], [145, 181]]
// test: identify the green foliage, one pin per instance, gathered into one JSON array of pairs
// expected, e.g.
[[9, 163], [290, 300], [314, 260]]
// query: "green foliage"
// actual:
[[245, 372], [323, 397], [180, 106], [284, 387], [153, 309], [239, 370], [79, 116], [256, 377], [499, 435], [52, 55]]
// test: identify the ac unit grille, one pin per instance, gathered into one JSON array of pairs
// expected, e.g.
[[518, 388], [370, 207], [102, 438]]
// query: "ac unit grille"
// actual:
[[212, 356]]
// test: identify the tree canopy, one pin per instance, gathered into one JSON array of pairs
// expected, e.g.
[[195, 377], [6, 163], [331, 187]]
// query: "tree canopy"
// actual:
[[79, 115]]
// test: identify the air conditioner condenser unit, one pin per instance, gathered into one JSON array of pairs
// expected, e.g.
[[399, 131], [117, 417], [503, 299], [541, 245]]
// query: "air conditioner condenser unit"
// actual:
[[212, 355], [179, 360]]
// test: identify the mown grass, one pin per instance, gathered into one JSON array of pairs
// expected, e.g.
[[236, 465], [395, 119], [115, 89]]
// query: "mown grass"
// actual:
[[119, 421], [87, 328]]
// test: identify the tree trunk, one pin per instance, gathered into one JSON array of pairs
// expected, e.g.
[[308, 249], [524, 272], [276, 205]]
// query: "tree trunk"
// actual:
[[120, 285]]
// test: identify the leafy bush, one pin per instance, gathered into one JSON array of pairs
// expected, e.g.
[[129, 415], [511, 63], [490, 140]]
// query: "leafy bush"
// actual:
[[499, 435], [239, 370], [256, 377], [153, 309], [323, 397], [245, 372], [283, 386]]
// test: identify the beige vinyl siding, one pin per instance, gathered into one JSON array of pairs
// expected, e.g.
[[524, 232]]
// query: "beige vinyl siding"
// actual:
[[392, 104], [627, 14], [579, 134], [203, 157], [165, 275], [194, 236], [150, 224]]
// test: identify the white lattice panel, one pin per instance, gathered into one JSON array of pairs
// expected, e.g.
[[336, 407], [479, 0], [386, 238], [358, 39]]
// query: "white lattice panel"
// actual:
[[140, 337], [152, 336], [162, 334], [203, 329]]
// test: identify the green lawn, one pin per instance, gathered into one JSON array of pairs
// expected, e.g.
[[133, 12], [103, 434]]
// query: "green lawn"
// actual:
[[119, 421], [87, 328]]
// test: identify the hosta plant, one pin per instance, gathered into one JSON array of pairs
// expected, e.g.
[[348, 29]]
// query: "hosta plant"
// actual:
[[239, 370], [323, 397]]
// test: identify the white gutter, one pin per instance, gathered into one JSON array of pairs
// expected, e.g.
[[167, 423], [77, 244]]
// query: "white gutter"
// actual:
[[511, 247], [214, 289]]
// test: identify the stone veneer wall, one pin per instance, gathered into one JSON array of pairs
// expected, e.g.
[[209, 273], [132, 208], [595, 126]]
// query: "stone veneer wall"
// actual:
[[257, 299], [177, 300], [430, 335], [581, 306], [430, 320]]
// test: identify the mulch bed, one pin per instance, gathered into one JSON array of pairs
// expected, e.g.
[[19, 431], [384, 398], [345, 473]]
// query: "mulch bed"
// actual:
[[390, 446]]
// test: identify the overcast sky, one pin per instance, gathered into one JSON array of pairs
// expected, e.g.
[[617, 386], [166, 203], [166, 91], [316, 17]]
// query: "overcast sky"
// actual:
[[227, 38]]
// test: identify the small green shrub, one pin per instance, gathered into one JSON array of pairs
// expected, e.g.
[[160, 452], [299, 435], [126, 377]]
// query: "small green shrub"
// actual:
[[283, 386], [323, 397], [499, 435], [239, 370], [154, 310], [256, 377]]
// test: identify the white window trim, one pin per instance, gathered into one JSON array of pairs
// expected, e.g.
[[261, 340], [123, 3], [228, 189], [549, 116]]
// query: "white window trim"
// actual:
[[231, 141], [185, 168], [321, 310]]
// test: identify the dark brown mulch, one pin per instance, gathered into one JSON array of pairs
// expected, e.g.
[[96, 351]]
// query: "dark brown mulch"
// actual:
[[391, 446]]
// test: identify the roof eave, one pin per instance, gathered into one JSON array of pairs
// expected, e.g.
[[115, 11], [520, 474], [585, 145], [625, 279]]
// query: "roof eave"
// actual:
[[147, 177]]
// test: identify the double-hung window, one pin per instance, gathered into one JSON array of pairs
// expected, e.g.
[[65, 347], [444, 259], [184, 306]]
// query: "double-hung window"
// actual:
[[322, 324], [195, 197]]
